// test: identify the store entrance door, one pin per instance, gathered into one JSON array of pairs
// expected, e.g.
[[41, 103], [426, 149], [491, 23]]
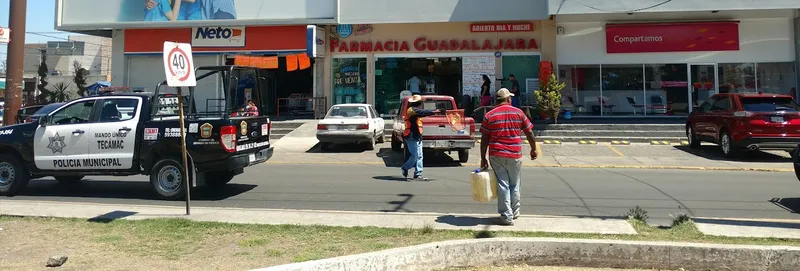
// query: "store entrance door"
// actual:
[[703, 83]]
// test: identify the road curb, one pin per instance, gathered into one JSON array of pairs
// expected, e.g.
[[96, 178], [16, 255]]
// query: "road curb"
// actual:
[[561, 166], [563, 252]]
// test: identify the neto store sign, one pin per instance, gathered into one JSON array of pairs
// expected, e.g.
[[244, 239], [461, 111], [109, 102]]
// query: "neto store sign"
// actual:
[[672, 37], [218, 36], [423, 44]]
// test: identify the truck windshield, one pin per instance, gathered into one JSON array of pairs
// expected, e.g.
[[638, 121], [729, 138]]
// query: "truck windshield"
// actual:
[[220, 92]]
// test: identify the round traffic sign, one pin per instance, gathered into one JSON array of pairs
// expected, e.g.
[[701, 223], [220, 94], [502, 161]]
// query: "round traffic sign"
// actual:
[[179, 64]]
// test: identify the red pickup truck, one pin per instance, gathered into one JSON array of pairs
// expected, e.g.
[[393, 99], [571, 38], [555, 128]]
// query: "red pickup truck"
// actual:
[[438, 134]]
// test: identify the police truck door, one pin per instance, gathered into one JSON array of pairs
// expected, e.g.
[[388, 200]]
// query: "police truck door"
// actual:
[[114, 135], [63, 142]]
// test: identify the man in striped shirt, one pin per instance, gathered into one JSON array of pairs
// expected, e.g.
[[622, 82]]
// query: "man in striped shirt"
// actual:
[[501, 136]]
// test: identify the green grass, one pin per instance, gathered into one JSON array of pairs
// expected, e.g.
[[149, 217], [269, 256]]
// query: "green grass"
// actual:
[[174, 239]]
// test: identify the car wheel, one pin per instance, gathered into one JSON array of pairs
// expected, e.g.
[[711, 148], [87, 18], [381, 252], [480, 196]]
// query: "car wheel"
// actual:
[[218, 179], [463, 156], [69, 179], [324, 146], [396, 145], [13, 176], [370, 145], [726, 145], [166, 178], [382, 137], [693, 142]]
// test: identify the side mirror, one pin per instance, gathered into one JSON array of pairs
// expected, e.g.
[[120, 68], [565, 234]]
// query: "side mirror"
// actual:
[[43, 120]]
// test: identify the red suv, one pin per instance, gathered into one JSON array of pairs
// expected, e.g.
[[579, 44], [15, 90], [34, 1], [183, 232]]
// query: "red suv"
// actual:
[[738, 122]]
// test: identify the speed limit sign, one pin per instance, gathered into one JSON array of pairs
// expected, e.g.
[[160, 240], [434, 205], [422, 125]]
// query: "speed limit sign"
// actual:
[[178, 64]]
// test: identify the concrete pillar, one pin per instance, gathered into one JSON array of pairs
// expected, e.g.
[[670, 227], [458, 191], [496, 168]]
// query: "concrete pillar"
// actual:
[[119, 64]]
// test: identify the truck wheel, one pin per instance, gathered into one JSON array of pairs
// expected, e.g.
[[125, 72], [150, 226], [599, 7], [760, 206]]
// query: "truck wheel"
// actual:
[[13, 176], [166, 177], [69, 179], [463, 156], [396, 145], [218, 179]]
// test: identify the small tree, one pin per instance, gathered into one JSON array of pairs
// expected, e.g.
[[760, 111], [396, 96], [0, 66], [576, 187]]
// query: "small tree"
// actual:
[[44, 93], [79, 78], [548, 97], [59, 93]]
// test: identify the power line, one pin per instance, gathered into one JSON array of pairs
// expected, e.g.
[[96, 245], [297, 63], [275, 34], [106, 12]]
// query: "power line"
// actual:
[[621, 11]]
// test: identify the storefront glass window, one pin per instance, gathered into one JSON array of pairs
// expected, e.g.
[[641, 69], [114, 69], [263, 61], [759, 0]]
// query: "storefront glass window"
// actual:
[[582, 90], [778, 78], [441, 76], [623, 90], [666, 89], [737, 78], [349, 80]]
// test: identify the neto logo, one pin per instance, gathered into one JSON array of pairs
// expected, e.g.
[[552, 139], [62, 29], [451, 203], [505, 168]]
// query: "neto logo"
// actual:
[[6, 132], [217, 33]]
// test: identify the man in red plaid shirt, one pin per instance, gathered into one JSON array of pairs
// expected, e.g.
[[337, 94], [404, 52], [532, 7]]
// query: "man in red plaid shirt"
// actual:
[[501, 136]]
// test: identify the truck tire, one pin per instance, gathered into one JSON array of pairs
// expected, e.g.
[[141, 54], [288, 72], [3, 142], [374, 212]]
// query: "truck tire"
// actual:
[[166, 179], [463, 156], [218, 179], [69, 179], [396, 145], [13, 175]]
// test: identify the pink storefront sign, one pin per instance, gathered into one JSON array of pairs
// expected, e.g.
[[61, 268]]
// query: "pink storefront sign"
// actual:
[[674, 84]]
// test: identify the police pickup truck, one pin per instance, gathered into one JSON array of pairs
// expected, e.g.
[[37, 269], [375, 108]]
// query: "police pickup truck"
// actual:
[[123, 134]]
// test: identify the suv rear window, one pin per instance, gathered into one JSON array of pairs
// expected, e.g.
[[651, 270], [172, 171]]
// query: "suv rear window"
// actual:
[[769, 104]]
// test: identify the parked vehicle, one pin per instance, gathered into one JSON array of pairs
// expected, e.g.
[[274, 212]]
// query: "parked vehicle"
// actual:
[[139, 134], [351, 123], [739, 122], [437, 132], [33, 113]]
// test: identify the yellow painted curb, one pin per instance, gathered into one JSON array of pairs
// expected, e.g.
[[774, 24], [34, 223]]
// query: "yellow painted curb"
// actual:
[[587, 142], [561, 166], [660, 142], [552, 142], [623, 142]]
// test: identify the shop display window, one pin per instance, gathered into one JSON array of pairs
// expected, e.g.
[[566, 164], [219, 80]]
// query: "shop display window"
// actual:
[[666, 89], [582, 89], [622, 90], [737, 77], [429, 75], [778, 78], [349, 80]]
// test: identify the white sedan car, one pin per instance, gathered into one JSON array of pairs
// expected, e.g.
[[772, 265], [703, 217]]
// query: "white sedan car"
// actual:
[[351, 123]]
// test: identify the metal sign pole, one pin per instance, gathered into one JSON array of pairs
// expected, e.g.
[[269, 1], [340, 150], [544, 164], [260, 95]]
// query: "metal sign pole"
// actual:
[[183, 151]]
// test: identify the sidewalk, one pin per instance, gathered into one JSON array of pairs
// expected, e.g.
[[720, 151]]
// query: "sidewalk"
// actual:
[[526, 223]]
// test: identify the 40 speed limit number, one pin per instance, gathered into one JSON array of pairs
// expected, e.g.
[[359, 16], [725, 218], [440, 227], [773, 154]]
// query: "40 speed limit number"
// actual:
[[178, 64]]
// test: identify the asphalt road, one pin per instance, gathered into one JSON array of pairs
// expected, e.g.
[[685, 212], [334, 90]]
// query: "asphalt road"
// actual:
[[545, 191]]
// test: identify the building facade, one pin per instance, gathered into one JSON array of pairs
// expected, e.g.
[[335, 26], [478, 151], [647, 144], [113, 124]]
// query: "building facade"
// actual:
[[663, 60], [619, 58]]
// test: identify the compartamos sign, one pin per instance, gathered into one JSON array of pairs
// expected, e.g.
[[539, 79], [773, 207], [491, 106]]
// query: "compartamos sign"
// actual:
[[672, 37]]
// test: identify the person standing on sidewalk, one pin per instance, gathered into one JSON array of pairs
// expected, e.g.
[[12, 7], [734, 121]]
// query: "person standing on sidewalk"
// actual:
[[412, 135], [501, 130]]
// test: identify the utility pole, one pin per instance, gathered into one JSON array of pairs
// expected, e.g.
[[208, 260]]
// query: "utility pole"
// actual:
[[16, 55]]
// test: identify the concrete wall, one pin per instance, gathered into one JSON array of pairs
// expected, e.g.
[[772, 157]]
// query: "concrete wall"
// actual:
[[421, 11], [561, 7]]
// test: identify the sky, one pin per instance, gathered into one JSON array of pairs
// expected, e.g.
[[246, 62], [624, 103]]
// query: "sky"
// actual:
[[40, 20]]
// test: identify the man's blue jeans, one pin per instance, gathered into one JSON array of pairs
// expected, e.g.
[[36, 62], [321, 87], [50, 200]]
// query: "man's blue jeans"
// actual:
[[414, 147], [508, 173]]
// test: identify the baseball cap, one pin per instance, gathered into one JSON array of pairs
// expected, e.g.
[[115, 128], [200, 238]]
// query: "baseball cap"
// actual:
[[504, 93]]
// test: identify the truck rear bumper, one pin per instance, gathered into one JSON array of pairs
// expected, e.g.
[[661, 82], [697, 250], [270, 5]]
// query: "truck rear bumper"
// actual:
[[443, 144], [245, 160], [769, 143]]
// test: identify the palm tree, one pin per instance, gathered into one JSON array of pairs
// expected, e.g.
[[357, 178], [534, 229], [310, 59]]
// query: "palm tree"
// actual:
[[59, 93]]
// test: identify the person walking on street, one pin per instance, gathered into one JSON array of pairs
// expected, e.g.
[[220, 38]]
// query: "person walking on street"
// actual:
[[501, 129], [412, 135]]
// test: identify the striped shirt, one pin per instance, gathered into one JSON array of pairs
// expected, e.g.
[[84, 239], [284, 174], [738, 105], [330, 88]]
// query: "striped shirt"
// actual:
[[218, 9], [504, 125]]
